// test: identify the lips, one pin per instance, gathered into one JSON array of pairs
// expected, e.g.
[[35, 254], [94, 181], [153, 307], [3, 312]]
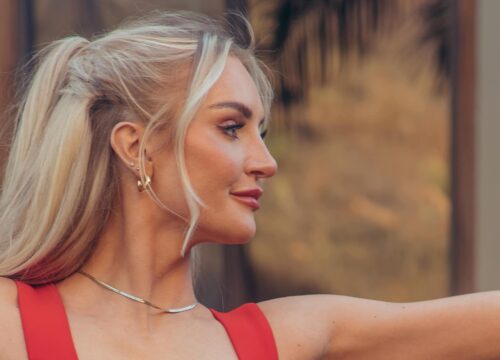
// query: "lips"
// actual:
[[249, 197]]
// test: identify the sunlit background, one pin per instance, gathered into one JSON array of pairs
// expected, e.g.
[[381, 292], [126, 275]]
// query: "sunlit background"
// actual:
[[387, 159]]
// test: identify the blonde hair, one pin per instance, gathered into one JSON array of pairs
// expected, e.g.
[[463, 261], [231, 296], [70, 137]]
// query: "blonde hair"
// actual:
[[61, 177]]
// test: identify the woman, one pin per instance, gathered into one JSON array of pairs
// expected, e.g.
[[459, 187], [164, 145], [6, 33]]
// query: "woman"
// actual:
[[131, 149]]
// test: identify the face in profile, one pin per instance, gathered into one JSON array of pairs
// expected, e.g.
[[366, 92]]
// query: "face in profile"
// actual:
[[225, 154]]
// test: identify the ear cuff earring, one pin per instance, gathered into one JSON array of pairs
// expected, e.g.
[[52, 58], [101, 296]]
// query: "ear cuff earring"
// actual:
[[141, 186]]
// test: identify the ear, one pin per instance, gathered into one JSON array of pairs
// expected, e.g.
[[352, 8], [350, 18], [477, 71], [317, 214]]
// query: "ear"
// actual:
[[125, 141]]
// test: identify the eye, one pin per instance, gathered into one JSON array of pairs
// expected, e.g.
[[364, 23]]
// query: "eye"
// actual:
[[263, 134], [231, 130]]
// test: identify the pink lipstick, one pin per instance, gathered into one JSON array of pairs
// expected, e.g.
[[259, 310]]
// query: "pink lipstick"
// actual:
[[249, 197]]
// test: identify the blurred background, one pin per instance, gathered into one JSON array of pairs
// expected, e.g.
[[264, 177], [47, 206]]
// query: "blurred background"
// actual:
[[384, 128]]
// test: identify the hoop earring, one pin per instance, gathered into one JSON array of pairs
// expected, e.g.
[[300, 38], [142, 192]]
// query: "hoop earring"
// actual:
[[142, 186]]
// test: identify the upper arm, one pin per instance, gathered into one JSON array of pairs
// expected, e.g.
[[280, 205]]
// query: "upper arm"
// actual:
[[324, 326], [339, 327]]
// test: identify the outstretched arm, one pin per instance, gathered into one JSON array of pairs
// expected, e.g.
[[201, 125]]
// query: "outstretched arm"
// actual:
[[339, 327]]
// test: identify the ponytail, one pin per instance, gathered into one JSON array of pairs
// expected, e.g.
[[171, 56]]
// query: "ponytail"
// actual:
[[44, 91], [46, 173]]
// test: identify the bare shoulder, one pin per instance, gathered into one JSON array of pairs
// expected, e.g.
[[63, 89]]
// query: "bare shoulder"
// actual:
[[295, 325], [8, 293], [9, 313], [12, 339]]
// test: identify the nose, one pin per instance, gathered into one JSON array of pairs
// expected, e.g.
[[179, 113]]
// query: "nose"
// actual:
[[260, 162]]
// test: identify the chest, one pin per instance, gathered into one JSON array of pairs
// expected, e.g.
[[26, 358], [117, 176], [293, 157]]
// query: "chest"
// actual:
[[192, 341]]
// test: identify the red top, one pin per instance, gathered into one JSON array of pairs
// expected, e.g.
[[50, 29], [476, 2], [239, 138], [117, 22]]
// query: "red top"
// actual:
[[47, 333]]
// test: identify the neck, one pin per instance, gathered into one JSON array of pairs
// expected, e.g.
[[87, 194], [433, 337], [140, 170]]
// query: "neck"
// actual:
[[142, 259]]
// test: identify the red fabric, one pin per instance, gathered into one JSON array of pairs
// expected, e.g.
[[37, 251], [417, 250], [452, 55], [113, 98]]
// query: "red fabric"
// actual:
[[249, 332], [45, 325], [48, 337]]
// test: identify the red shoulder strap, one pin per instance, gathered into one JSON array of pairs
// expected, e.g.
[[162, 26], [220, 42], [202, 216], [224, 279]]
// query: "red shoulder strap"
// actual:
[[45, 325], [249, 332]]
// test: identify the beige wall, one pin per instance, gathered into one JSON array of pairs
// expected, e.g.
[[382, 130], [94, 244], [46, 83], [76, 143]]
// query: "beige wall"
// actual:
[[488, 146]]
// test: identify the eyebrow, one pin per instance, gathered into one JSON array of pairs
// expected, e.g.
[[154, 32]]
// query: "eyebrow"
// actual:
[[242, 108]]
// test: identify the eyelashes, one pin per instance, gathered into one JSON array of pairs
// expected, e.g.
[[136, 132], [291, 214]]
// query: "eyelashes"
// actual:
[[232, 131]]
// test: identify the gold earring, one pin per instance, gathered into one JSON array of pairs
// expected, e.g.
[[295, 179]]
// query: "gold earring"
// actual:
[[143, 186]]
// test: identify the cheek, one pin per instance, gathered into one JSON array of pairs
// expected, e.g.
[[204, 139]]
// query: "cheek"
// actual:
[[213, 168]]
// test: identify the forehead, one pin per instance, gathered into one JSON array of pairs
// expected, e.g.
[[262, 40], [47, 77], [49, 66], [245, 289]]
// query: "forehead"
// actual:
[[235, 84]]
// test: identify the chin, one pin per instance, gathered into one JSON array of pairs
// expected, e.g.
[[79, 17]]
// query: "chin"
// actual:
[[247, 232], [242, 239], [239, 235]]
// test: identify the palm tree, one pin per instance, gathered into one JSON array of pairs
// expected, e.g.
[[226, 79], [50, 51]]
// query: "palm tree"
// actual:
[[308, 35]]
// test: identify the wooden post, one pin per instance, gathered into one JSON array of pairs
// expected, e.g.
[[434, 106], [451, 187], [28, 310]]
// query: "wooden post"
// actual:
[[463, 147], [10, 48], [237, 5]]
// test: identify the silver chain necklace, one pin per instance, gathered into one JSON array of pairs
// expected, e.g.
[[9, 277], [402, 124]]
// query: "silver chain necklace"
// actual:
[[136, 298]]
